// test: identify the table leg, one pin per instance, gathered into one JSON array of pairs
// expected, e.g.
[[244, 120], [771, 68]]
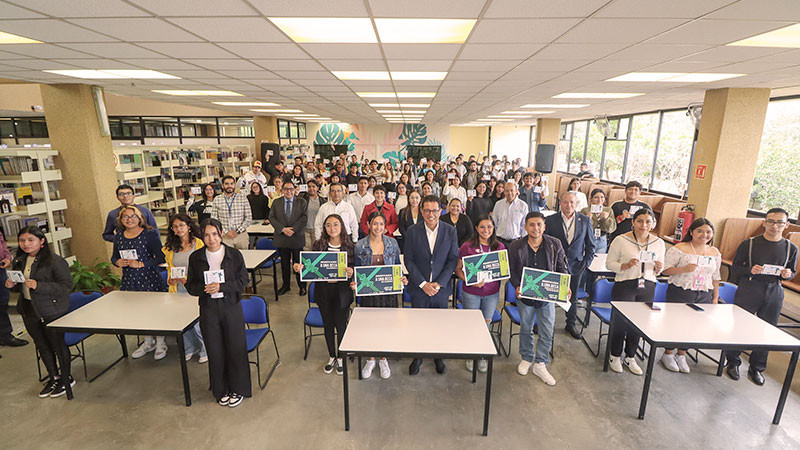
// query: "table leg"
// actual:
[[184, 372], [346, 395], [488, 398], [608, 338], [275, 277], [787, 384], [647, 377], [253, 277], [124, 343], [359, 368], [474, 371]]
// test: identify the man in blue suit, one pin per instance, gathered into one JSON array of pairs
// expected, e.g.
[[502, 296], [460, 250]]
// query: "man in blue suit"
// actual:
[[576, 234], [431, 255]]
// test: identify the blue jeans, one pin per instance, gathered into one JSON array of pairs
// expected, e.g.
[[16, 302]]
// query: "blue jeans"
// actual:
[[487, 304], [193, 341], [546, 319]]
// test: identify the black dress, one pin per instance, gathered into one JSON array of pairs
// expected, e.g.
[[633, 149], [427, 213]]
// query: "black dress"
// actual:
[[463, 227]]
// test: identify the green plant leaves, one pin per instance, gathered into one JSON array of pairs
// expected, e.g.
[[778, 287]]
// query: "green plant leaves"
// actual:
[[413, 134]]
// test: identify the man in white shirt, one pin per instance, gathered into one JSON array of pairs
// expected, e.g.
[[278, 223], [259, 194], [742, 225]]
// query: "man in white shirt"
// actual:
[[361, 198], [251, 177], [509, 216], [336, 205]]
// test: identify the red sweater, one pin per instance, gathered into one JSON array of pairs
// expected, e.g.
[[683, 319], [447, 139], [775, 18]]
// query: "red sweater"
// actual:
[[388, 212]]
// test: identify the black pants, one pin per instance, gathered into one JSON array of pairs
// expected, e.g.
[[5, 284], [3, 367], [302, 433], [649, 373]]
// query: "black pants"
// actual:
[[506, 242], [577, 273], [628, 291], [335, 312], [765, 300], [222, 324], [5, 321], [677, 294], [49, 342], [289, 256]]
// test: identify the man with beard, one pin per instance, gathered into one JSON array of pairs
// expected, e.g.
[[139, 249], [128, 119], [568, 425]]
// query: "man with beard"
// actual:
[[233, 211]]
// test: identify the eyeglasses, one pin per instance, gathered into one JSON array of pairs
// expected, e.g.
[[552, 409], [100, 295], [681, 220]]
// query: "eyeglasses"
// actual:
[[125, 194], [779, 223], [431, 211]]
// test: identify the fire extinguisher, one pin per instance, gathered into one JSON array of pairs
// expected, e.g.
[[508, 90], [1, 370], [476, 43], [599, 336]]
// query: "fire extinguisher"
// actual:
[[685, 219]]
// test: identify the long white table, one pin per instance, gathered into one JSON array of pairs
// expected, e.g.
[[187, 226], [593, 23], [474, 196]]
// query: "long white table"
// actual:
[[598, 265], [254, 259], [143, 313], [721, 326], [259, 229], [418, 333]]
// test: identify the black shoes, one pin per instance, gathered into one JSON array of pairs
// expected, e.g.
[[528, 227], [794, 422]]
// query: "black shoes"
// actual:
[[12, 341], [48, 388], [756, 377], [573, 331], [413, 369], [303, 290], [733, 372], [440, 367], [61, 388], [284, 289]]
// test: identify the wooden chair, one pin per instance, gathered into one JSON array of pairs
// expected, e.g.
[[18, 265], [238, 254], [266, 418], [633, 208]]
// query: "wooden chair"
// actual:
[[614, 195], [794, 283], [736, 230], [668, 219]]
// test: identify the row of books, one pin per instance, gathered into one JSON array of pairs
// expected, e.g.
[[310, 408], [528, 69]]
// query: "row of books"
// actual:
[[14, 165], [13, 223]]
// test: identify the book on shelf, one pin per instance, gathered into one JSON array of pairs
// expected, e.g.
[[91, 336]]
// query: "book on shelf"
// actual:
[[14, 165], [24, 195], [8, 203]]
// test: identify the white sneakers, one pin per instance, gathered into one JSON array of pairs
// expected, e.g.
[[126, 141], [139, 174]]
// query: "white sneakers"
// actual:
[[630, 363], [366, 371], [483, 366], [330, 366], [523, 367], [669, 362], [158, 344], [615, 362], [681, 360], [540, 370], [384, 366], [469, 365], [147, 346]]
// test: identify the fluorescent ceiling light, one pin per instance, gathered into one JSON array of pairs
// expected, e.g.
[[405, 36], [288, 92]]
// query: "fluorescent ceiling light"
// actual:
[[416, 94], [700, 77], [645, 76], [361, 75], [245, 104], [551, 105], [786, 37], [406, 111], [342, 30], [300, 115], [401, 105], [424, 31], [104, 74], [277, 110], [509, 118], [669, 77], [539, 112], [598, 95], [8, 38], [495, 120], [312, 118], [93, 74], [198, 93], [516, 112], [376, 94], [398, 94], [410, 75], [389, 111]]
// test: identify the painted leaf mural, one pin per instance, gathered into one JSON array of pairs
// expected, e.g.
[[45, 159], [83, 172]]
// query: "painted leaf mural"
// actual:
[[413, 134], [330, 133]]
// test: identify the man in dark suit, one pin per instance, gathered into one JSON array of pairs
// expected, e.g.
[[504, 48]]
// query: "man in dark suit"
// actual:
[[576, 234], [431, 255], [288, 216]]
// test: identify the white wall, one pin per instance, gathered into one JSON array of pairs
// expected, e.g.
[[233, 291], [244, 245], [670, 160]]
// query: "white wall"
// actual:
[[512, 141]]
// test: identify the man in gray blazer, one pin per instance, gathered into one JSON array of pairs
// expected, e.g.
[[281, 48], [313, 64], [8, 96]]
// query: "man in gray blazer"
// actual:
[[288, 216]]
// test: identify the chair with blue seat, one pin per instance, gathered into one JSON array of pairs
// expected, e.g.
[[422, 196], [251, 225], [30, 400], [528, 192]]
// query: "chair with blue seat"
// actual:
[[601, 295], [313, 319], [495, 326], [267, 244], [256, 312], [661, 292], [727, 292], [164, 276], [406, 299], [512, 311]]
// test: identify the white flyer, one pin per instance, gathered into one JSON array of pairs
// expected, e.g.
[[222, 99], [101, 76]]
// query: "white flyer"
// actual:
[[646, 257], [214, 276], [15, 275], [177, 272], [352, 187], [270, 189], [195, 190], [633, 209], [391, 195], [128, 254], [471, 193], [326, 161], [326, 174], [771, 269], [450, 176], [705, 261], [302, 187], [538, 189], [596, 208]]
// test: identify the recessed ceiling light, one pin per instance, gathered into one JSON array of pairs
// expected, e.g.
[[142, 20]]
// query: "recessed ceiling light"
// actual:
[[598, 95], [343, 30], [495, 120], [700, 77], [401, 105], [424, 31], [376, 94], [108, 74], [245, 104], [277, 110], [198, 93], [312, 118], [551, 105], [509, 118], [407, 111], [300, 115], [416, 94], [786, 37], [8, 38], [670, 77], [93, 74]]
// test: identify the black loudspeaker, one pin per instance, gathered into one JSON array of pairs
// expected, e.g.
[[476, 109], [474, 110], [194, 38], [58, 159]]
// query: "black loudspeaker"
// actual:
[[545, 155], [268, 160]]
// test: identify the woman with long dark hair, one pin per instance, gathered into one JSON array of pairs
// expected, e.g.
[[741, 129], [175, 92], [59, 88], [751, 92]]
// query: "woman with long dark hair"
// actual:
[[480, 204], [575, 188], [409, 215], [458, 220], [203, 207], [221, 316], [44, 297], [183, 238], [259, 203], [333, 297], [693, 269]]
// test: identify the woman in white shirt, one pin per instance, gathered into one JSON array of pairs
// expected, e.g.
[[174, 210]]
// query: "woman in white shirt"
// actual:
[[693, 269], [636, 257], [454, 190], [575, 188]]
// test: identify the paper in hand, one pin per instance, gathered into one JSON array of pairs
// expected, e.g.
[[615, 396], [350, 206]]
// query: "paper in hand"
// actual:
[[128, 254], [646, 257], [16, 276], [177, 272], [596, 208], [214, 276], [771, 269]]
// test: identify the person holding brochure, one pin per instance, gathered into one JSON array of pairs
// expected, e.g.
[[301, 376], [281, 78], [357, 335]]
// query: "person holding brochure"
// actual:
[[183, 239], [459, 220], [542, 252], [126, 197], [333, 297], [431, 256], [693, 269], [137, 250], [625, 209], [7, 337], [483, 295], [637, 257], [44, 297], [760, 264], [377, 249], [603, 221], [203, 207]]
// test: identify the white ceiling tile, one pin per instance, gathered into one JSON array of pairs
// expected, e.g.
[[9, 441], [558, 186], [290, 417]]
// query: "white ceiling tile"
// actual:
[[311, 8], [343, 51], [733, 54], [587, 51], [39, 64], [520, 30], [354, 64], [716, 32], [211, 8], [367, 85], [316, 83], [457, 9], [489, 75], [98, 63], [8, 11], [420, 65], [117, 50], [620, 66], [471, 65], [760, 10], [196, 74], [420, 85], [628, 31], [83, 8], [53, 31], [232, 29], [145, 29], [751, 67], [162, 63], [656, 52], [682, 66], [43, 51], [535, 65], [189, 50], [288, 64], [791, 56], [305, 75], [421, 51], [499, 51], [688, 9], [249, 74], [265, 51], [223, 64], [542, 8]]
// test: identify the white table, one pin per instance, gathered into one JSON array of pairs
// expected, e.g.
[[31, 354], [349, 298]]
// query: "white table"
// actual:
[[418, 333], [143, 313], [598, 265], [259, 229], [721, 326], [254, 259]]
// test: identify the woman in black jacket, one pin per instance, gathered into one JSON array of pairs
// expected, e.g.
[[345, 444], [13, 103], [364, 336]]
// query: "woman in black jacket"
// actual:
[[221, 316], [203, 207], [44, 297], [460, 221], [259, 203], [480, 204], [409, 215]]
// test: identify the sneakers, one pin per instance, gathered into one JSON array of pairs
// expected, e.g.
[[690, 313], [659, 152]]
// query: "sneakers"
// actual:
[[161, 351], [146, 347], [235, 400], [61, 388], [483, 366], [681, 360], [224, 400], [523, 367], [48, 388], [366, 371], [615, 362], [670, 363], [189, 356], [540, 370], [384, 366], [630, 363], [339, 366], [202, 359], [330, 366], [469, 365]]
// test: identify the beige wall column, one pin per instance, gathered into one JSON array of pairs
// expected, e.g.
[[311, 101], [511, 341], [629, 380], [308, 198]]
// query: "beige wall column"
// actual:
[[548, 131], [86, 160], [727, 145], [266, 129]]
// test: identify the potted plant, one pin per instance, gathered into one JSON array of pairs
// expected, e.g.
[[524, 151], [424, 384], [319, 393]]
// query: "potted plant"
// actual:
[[99, 277]]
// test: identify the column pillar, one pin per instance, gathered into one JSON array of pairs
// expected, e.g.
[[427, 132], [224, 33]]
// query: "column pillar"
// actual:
[[727, 152], [266, 129], [86, 160], [548, 131]]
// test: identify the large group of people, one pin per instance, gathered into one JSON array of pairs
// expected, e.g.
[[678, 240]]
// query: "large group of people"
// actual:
[[374, 213]]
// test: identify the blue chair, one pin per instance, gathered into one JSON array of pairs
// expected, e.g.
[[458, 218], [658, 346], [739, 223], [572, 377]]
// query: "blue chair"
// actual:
[[601, 295], [313, 319], [512, 311], [661, 292], [164, 276], [256, 311], [267, 244], [406, 299], [727, 292]]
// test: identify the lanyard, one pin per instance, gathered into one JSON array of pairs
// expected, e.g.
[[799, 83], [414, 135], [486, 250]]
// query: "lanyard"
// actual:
[[229, 205], [639, 247], [571, 226]]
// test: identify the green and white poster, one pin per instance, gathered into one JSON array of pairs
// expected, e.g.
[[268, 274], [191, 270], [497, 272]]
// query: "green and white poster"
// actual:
[[486, 267], [544, 286], [323, 266], [379, 280]]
